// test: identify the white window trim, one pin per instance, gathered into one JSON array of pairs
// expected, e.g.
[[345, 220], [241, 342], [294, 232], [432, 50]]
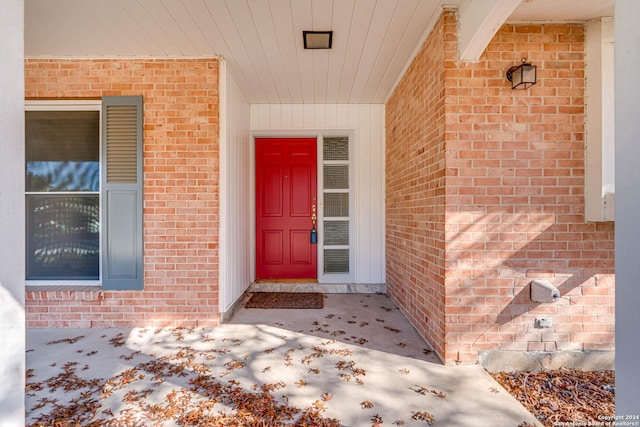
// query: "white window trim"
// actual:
[[70, 105], [336, 277]]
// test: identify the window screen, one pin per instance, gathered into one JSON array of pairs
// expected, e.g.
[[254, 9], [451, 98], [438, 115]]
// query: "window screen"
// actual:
[[336, 204], [336, 260], [62, 182], [336, 198]]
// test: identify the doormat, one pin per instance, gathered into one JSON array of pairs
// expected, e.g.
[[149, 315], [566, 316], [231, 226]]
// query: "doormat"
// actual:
[[285, 300]]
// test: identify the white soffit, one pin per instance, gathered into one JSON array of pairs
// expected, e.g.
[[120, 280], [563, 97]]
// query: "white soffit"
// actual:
[[373, 40], [260, 39], [561, 10]]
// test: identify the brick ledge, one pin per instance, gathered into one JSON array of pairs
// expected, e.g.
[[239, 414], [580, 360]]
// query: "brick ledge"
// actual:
[[62, 288]]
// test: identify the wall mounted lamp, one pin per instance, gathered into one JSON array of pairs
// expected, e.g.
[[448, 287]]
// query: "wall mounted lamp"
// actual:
[[522, 76], [317, 39]]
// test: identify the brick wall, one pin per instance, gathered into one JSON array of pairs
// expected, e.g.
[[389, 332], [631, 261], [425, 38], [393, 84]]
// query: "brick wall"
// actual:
[[415, 197], [514, 199], [181, 212]]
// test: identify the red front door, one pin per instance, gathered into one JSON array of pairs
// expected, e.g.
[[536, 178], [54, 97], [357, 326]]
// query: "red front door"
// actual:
[[285, 203]]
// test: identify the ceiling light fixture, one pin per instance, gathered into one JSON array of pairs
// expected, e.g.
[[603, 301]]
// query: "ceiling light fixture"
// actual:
[[317, 39]]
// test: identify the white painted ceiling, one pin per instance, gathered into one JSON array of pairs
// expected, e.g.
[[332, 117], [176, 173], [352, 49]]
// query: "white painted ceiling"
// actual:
[[373, 40], [562, 10]]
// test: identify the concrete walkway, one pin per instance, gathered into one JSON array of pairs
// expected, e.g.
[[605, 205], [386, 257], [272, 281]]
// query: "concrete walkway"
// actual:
[[357, 361]]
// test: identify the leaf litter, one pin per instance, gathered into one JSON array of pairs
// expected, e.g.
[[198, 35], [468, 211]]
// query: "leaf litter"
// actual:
[[187, 387], [564, 396]]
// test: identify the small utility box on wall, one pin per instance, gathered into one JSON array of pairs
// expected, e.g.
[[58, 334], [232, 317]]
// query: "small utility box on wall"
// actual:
[[544, 291]]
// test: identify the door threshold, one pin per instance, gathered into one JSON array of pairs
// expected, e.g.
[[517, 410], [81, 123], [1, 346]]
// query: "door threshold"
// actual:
[[286, 281], [314, 286]]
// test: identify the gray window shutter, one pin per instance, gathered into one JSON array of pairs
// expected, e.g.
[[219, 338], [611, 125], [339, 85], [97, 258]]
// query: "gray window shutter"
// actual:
[[122, 234]]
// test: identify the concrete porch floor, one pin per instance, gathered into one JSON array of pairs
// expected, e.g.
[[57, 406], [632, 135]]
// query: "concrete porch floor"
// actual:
[[357, 360]]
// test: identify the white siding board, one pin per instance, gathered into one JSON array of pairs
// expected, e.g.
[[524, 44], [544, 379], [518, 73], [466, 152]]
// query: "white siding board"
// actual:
[[377, 32], [264, 116], [45, 13], [320, 75], [92, 9], [188, 27], [127, 26], [261, 40], [365, 124], [276, 117], [235, 203], [310, 117], [150, 27], [252, 44], [164, 20], [263, 22], [331, 117], [357, 38], [342, 16], [362, 194], [297, 121], [321, 22], [397, 28], [220, 14], [286, 39], [342, 117], [216, 41], [320, 116], [411, 42], [286, 113], [303, 20], [354, 115], [378, 192]]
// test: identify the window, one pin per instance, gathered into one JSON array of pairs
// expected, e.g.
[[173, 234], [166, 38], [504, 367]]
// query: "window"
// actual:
[[63, 194], [84, 192], [336, 197]]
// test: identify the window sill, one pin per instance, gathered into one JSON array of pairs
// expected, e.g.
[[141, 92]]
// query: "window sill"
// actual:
[[63, 288]]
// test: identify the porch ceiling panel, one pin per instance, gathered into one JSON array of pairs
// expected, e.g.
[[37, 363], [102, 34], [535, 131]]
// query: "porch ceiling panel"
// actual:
[[260, 39], [562, 10], [373, 40]]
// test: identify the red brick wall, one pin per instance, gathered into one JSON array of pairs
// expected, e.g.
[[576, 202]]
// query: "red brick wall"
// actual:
[[181, 212], [514, 163], [415, 183]]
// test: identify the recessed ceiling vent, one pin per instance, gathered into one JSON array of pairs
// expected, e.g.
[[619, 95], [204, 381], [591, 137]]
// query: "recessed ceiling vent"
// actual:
[[317, 39]]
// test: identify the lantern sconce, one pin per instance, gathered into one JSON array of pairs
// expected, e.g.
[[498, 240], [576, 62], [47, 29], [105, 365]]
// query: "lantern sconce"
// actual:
[[522, 76]]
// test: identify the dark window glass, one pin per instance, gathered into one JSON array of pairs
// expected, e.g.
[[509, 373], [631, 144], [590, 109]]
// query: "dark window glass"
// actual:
[[63, 237], [63, 230], [62, 151]]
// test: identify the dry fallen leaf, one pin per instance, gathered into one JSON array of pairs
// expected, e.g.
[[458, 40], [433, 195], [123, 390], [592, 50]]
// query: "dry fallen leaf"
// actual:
[[365, 404], [423, 416], [563, 396]]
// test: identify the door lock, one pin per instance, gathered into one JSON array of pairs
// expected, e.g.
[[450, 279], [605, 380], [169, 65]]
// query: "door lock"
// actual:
[[314, 233]]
